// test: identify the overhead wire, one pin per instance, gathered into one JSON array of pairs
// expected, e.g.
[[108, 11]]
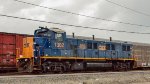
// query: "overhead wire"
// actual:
[[98, 18], [136, 11], [78, 26]]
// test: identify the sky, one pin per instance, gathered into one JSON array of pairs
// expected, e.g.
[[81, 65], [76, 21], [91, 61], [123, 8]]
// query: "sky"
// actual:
[[95, 8]]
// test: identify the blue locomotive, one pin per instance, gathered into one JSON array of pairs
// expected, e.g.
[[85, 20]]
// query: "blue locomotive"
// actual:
[[54, 51]]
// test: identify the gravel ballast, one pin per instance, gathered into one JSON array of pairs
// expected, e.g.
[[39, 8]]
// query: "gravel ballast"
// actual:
[[130, 77]]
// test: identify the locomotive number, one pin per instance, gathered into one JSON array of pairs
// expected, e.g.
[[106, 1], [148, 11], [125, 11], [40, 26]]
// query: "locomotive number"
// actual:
[[59, 45]]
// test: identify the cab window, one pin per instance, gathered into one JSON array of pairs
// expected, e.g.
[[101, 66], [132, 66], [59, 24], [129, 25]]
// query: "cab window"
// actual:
[[47, 34], [59, 37]]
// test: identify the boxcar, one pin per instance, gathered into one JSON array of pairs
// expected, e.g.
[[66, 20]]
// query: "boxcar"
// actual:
[[11, 45], [141, 53]]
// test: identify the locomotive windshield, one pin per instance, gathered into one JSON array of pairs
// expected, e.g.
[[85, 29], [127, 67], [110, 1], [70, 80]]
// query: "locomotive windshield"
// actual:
[[59, 37], [43, 32]]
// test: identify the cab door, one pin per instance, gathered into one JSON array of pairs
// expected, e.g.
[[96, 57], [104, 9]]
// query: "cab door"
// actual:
[[111, 51], [126, 51]]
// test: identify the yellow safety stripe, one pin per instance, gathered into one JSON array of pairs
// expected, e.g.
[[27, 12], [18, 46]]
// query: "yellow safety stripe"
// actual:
[[81, 58]]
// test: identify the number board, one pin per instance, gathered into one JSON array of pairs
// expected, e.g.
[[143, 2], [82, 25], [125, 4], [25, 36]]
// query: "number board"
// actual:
[[59, 45]]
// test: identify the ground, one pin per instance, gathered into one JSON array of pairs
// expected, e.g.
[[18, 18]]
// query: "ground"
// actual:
[[130, 77]]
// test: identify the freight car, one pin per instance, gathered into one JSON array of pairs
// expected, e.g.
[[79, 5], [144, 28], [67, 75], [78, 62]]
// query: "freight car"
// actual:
[[11, 44], [52, 51], [141, 53]]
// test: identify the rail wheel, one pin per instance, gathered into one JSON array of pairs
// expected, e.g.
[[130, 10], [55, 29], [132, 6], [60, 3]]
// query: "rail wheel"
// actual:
[[25, 65], [54, 67], [44, 68], [115, 66], [120, 66]]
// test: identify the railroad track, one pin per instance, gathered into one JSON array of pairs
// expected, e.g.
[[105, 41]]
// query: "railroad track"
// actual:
[[12, 73], [129, 77], [68, 73]]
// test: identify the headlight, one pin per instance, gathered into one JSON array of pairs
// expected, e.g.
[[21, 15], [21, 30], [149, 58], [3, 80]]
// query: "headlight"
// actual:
[[25, 59]]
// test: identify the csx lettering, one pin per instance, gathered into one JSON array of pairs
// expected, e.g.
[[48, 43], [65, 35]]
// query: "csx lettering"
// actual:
[[102, 47]]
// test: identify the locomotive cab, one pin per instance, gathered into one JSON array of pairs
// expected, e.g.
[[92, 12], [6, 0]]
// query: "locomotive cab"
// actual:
[[47, 41]]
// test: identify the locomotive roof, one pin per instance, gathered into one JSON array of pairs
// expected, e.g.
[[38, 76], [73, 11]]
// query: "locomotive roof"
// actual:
[[98, 39], [107, 40], [57, 30]]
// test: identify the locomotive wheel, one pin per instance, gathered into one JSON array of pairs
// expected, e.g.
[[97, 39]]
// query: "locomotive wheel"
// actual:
[[54, 67], [119, 66], [115, 66], [44, 68], [25, 66], [62, 70], [128, 66]]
